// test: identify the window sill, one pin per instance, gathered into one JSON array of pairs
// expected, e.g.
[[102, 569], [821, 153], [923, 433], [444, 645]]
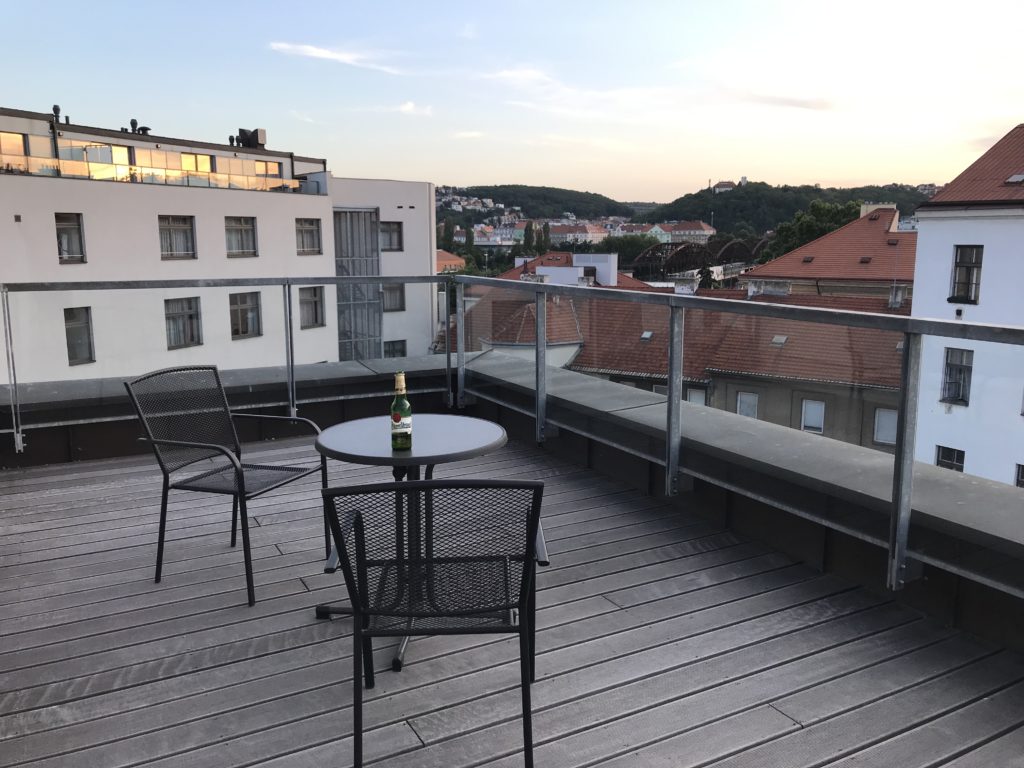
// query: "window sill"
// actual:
[[251, 336], [185, 346], [71, 260], [309, 253], [961, 300], [240, 255], [950, 401], [309, 327], [80, 362], [176, 257]]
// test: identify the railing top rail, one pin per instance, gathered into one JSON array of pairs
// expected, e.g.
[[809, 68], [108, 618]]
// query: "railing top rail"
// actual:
[[1007, 334], [226, 282]]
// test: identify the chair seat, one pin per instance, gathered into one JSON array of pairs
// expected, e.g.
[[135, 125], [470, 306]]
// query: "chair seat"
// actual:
[[259, 478], [443, 595]]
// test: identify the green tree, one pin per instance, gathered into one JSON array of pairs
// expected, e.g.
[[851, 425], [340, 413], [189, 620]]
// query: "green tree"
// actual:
[[470, 239], [706, 278], [528, 237], [448, 235], [516, 252], [819, 219], [545, 239]]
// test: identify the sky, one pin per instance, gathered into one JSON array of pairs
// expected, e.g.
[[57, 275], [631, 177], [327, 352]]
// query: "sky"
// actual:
[[640, 101]]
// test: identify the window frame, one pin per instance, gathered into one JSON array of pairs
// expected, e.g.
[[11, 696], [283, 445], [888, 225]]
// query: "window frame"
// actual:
[[229, 226], [185, 315], [965, 281], [956, 376], [242, 315], [1020, 476], [394, 232], [757, 401], [874, 434], [79, 225], [317, 302], [316, 228], [384, 294], [87, 325], [404, 348], [172, 227], [804, 401], [691, 391], [950, 458]]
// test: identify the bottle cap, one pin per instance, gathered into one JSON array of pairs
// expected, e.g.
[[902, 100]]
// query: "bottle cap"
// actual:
[[400, 380]]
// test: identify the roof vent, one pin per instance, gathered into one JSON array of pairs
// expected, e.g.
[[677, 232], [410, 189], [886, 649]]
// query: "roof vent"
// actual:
[[646, 335], [1017, 178], [807, 259], [778, 341], [873, 216], [865, 259], [893, 241]]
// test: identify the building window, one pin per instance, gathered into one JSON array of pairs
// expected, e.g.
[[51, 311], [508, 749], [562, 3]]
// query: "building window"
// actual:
[[812, 416], [950, 458], [394, 297], [307, 237], [885, 426], [696, 395], [240, 232], [184, 328], [70, 243], [311, 307], [394, 348], [391, 235], [177, 237], [966, 275], [746, 404], [1020, 475], [78, 332], [245, 315], [956, 382]]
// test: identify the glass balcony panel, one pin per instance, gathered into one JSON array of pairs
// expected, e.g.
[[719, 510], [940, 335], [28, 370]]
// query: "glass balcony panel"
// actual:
[[99, 153], [14, 164], [102, 171], [43, 166], [220, 180], [153, 175], [120, 155], [176, 178], [75, 169]]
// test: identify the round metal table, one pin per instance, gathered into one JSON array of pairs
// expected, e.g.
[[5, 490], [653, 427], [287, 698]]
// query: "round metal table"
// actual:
[[437, 438]]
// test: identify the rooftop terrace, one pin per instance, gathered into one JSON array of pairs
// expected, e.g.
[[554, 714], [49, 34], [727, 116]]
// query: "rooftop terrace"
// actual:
[[663, 640]]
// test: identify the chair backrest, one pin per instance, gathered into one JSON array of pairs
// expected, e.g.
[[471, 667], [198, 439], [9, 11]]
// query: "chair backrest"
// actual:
[[476, 544], [185, 404]]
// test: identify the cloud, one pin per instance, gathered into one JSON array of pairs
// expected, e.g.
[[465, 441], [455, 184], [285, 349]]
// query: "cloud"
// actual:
[[468, 135], [364, 60], [405, 108], [794, 102], [468, 31], [301, 116]]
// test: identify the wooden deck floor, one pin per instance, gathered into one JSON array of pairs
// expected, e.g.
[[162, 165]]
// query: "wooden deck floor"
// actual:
[[662, 642]]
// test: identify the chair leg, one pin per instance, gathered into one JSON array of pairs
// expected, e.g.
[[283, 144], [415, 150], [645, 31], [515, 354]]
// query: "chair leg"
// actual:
[[327, 527], [234, 519], [531, 617], [245, 550], [160, 535], [357, 695], [524, 670], [368, 674]]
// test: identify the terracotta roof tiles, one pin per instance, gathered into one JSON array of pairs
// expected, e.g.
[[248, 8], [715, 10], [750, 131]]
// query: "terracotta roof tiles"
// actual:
[[985, 180]]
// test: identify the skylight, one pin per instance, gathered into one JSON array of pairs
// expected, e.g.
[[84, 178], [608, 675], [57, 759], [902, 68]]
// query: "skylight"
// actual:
[[865, 259], [646, 335], [808, 259], [779, 340], [1017, 178]]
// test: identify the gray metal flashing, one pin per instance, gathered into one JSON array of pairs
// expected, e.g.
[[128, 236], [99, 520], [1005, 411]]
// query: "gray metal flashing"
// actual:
[[779, 377]]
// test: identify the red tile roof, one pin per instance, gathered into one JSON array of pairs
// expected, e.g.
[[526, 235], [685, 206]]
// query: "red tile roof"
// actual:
[[985, 180], [447, 260], [549, 259], [840, 255]]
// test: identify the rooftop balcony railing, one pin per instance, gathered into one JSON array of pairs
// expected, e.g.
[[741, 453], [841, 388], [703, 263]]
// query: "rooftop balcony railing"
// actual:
[[666, 379]]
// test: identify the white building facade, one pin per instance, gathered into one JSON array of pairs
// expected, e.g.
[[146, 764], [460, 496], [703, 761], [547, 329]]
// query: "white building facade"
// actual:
[[969, 268], [84, 204]]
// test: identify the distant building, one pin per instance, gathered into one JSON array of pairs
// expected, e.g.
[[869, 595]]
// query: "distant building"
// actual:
[[449, 262], [724, 186]]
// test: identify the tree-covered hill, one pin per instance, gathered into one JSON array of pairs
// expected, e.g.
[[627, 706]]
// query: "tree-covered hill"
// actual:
[[552, 202], [760, 207]]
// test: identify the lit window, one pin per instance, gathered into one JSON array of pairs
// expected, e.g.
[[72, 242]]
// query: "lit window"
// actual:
[[12, 143], [307, 237], [956, 382], [240, 232], [966, 275], [70, 243], [391, 235], [394, 297], [245, 315], [311, 307], [885, 426], [746, 404], [177, 237], [812, 417], [184, 328], [949, 458], [78, 333], [394, 348]]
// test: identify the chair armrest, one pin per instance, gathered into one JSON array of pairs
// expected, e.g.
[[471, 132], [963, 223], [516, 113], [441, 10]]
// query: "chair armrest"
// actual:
[[209, 446], [540, 547], [297, 419]]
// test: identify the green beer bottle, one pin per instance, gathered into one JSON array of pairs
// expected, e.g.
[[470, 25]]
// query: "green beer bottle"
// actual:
[[401, 417]]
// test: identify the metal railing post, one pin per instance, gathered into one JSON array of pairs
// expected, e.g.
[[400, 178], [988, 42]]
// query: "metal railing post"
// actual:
[[541, 387], [12, 373], [673, 429], [447, 341], [289, 347], [460, 343], [903, 462]]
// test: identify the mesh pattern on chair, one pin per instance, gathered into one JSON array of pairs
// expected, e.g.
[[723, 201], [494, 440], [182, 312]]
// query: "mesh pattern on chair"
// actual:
[[185, 404], [258, 478], [428, 556]]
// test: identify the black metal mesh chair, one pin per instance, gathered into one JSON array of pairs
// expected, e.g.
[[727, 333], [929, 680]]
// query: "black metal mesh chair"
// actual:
[[437, 558], [186, 418]]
